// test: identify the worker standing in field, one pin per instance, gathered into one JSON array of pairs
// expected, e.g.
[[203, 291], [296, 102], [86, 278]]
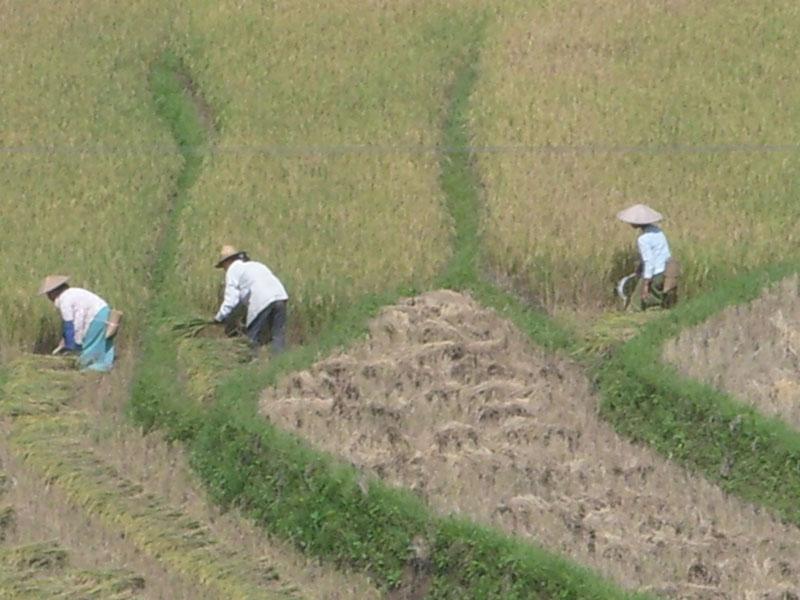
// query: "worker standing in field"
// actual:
[[658, 271], [253, 284], [88, 327]]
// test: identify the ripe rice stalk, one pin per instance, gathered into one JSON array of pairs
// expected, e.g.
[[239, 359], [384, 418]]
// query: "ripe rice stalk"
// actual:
[[610, 330], [329, 155], [88, 167], [38, 384], [88, 585], [192, 327], [34, 557]]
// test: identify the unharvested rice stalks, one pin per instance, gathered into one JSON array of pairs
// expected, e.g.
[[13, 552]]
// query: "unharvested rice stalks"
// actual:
[[449, 400], [752, 352]]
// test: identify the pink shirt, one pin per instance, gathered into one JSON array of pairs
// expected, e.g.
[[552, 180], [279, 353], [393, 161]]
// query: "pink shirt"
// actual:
[[79, 306]]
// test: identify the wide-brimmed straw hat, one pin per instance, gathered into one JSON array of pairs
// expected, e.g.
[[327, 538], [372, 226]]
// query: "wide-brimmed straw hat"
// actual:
[[50, 283], [226, 253], [639, 214]]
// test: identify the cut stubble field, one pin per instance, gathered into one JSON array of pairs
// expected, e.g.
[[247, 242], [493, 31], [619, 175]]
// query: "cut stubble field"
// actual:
[[751, 351], [446, 398], [81, 475]]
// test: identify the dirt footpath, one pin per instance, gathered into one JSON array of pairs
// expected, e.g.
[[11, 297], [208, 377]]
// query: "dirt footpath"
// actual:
[[751, 351], [448, 399]]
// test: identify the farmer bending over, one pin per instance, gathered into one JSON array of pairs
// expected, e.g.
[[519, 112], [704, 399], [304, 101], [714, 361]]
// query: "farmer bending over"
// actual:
[[658, 271], [85, 317], [253, 284]]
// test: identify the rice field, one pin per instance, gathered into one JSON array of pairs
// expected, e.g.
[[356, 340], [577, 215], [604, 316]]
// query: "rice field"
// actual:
[[325, 152], [750, 351], [587, 108], [326, 123], [87, 166]]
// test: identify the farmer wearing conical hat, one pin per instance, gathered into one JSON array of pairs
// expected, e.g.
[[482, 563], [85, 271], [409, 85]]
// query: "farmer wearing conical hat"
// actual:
[[658, 271], [251, 283], [85, 323]]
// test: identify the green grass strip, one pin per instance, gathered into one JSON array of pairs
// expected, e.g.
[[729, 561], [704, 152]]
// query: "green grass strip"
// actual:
[[746, 453], [157, 393], [460, 184]]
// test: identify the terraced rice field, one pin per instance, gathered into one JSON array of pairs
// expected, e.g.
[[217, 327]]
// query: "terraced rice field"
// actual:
[[117, 498], [751, 351], [446, 398], [586, 108], [324, 152], [323, 126], [87, 166]]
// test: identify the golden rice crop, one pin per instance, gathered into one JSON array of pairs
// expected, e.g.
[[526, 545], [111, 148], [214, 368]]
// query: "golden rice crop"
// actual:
[[319, 171], [86, 166], [684, 106]]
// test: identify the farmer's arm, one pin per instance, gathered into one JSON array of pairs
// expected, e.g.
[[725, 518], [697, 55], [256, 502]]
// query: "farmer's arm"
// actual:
[[68, 331], [231, 298], [67, 310]]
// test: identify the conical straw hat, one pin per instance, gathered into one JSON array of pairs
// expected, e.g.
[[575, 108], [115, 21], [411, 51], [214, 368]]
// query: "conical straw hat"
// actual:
[[51, 282], [639, 214], [226, 252]]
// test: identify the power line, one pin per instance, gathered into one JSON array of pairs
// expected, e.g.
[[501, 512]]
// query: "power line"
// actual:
[[407, 149]]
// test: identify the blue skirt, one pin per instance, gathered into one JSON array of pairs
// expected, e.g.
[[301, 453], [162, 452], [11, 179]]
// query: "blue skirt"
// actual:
[[97, 352]]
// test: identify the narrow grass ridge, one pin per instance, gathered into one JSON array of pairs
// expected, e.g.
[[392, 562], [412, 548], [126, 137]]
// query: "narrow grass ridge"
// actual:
[[156, 390], [752, 456], [466, 270]]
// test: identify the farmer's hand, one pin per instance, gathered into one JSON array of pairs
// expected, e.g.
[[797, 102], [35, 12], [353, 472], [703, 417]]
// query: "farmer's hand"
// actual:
[[58, 349], [645, 289]]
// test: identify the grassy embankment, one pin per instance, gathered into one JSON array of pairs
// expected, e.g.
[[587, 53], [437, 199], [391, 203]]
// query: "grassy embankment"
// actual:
[[319, 504]]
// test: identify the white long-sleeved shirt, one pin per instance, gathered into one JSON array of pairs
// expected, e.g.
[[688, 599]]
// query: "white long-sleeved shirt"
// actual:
[[251, 283], [81, 307], [654, 251]]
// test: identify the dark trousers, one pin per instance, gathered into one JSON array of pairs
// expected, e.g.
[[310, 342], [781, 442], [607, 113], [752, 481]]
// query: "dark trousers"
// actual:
[[269, 326]]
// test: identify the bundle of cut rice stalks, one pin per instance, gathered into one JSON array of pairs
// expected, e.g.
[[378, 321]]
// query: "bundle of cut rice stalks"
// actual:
[[191, 327], [611, 330]]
